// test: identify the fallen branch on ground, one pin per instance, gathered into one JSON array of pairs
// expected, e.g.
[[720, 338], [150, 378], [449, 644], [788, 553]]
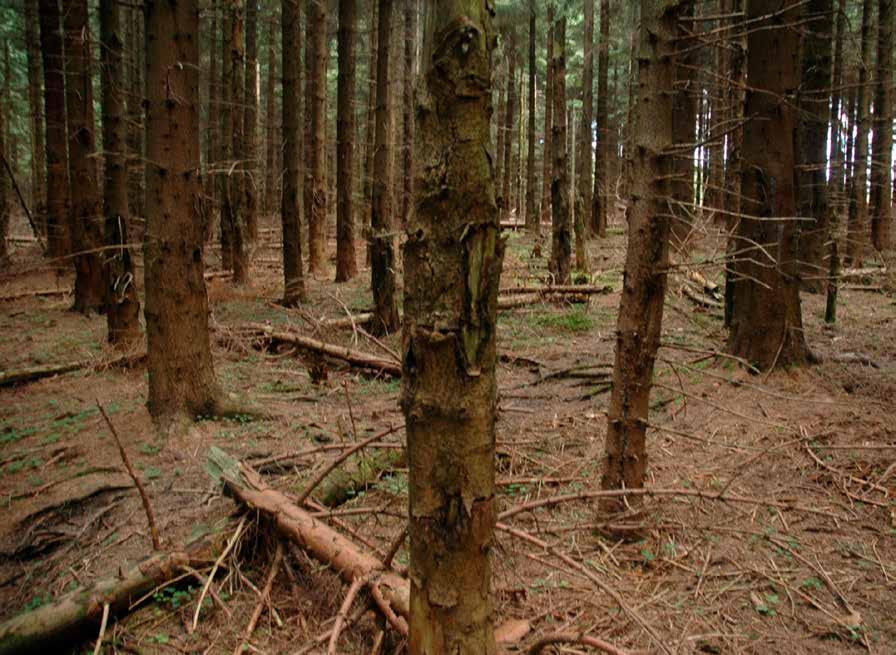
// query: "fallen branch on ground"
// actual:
[[39, 293], [569, 638], [52, 628], [354, 357], [34, 373], [558, 290]]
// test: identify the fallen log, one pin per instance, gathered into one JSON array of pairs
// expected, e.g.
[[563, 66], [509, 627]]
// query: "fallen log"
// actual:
[[700, 299], [354, 357], [389, 591], [35, 294], [34, 373], [559, 290], [52, 628]]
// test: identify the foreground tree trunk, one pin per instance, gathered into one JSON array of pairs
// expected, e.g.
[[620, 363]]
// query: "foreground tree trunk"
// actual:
[[766, 323], [346, 266], [561, 243], [290, 209], [317, 221], [122, 302], [548, 154], [857, 229], [600, 194], [38, 143], [181, 375], [882, 145], [814, 115], [58, 241], [453, 259], [85, 213], [382, 248], [639, 324]]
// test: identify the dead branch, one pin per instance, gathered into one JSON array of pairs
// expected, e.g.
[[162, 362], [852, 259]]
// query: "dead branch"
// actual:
[[264, 597], [150, 517], [34, 373], [570, 638], [342, 615], [52, 628], [38, 293], [559, 290]]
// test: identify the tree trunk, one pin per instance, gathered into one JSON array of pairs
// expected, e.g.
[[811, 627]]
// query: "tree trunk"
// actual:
[[181, 375], [214, 122], [857, 237], [228, 238], [766, 323], [639, 323], [882, 146], [509, 123], [307, 146], [85, 215], [453, 260], [272, 148], [290, 210], [38, 143], [547, 162], [837, 110], [382, 255], [250, 150], [346, 266], [317, 223], [814, 116], [5, 189], [410, 28], [501, 134], [12, 144], [684, 120], [58, 238], [122, 302], [560, 242], [137, 131], [533, 219], [600, 195], [370, 132], [584, 188]]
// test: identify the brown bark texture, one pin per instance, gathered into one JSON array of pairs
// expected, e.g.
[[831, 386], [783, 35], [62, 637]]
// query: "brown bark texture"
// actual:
[[122, 302], [291, 208], [881, 208], [85, 212], [453, 258], [181, 375], [547, 162], [561, 241], [382, 247], [250, 149], [317, 221], [599, 198], [639, 323], [410, 27], [346, 265], [857, 238], [684, 119], [533, 218], [506, 201], [38, 141], [766, 319], [584, 158]]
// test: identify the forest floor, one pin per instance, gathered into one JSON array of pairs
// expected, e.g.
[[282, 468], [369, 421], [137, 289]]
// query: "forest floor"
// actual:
[[804, 561]]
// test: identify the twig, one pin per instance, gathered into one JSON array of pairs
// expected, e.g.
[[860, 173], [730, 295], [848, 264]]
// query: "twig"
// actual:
[[150, 517], [570, 638], [336, 462], [211, 576], [103, 623], [341, 616], [264, 598], [394, 620], [393, 548]]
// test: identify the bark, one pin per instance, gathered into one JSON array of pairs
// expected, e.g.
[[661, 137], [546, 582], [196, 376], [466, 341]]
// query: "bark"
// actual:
[[813, 152], [273, 150], [533, 219], [501, 136], [181, 375], [290, 209], [317, 223], [12, 143], [382, 221], [560, 212], [308, 184], [370, 131], [453, 259], [766, 323], [881, 208], [85, 213], [639, 323], [600, 194], [684, 119], [5, 192], [136, 192], [122, 302], [837, 110], [250, 149], [857, 237], [56, 627], [584, 188], [346, 266], [38, 142], [58, 238], [410, 22], [235, 211], [228, 238], [506, 201], [213, 121], [548, 154]]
